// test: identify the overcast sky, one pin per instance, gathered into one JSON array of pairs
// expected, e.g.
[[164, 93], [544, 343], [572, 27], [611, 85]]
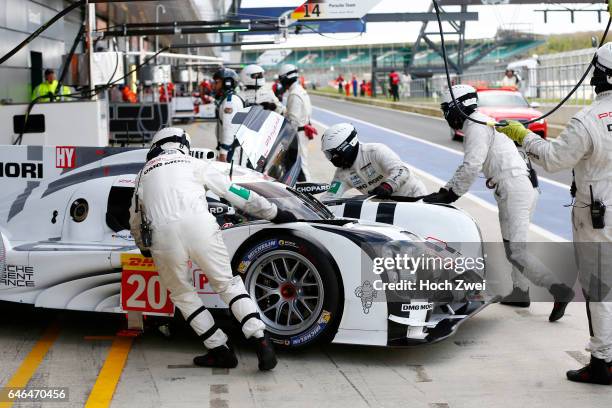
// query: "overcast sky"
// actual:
[[490, 18]]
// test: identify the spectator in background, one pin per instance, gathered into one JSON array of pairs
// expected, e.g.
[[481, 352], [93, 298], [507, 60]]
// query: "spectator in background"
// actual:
[[369, 88], [340, 81], [347, 88], [355, 86], [115, 94], [205, 88], [166, 92], [394, 81], [128, 95], [363, 88], [278, 89], [511, 79], [47, 90]]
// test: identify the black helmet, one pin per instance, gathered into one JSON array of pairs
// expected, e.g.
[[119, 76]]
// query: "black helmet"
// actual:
[[229, 76]]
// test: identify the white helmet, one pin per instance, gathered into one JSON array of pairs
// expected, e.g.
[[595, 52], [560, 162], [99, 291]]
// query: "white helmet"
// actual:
[[253, 76], [169, 138], [287, 71], [340, 145], [466, 97], [459, 91], [603, 66]]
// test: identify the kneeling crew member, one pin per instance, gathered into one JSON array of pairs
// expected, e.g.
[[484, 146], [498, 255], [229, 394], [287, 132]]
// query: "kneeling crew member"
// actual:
[[371, 168]]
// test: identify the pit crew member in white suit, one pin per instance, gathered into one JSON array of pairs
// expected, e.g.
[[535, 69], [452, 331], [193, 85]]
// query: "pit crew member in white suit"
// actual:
[[228, 104], [299, 111], [255, 92], [371, 168], [585, 146], [498, 158], [170, 201]]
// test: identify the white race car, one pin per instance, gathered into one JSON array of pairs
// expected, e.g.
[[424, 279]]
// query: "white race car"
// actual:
[[64, 227]]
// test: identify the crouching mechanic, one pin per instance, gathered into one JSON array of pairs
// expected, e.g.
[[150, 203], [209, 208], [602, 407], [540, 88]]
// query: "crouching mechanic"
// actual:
[[252, 77], [507, 173], [169, 217], [371, 168], [585, 147]]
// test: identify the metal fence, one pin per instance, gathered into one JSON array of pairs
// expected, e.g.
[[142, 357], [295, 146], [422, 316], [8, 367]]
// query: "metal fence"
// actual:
[[545, 83], [542, 83], [555, 82]]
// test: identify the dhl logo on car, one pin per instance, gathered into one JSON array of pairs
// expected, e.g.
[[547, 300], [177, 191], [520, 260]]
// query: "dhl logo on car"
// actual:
[[136, 262]]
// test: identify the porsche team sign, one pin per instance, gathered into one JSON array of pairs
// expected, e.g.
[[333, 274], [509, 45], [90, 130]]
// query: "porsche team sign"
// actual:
[[333, 9]]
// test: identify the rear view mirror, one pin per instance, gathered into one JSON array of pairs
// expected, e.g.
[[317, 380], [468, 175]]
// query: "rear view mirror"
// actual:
[[311, 188], [535, 105]]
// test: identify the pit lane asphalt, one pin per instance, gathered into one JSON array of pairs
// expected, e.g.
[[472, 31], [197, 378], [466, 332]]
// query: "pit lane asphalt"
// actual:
[[501, 358]]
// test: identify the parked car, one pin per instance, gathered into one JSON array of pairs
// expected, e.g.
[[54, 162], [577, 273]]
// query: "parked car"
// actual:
[[508, 104]]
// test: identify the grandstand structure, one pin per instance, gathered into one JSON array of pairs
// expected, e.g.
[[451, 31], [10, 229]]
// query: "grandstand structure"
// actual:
[[324, 64], [419, 61]]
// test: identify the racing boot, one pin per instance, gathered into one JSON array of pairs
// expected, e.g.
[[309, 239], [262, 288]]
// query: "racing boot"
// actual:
[[563, 294], [218, 357], [517, 298], [265, 352], [596, 372]]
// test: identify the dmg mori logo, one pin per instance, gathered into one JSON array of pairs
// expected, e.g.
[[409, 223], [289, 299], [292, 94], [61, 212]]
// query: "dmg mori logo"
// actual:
[[21, 170], [65, 157]]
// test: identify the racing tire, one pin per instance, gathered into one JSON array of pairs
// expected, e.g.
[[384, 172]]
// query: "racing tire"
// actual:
[[295, 286]]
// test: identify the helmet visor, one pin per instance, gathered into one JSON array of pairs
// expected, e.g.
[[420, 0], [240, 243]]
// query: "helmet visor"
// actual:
[[329, 154]]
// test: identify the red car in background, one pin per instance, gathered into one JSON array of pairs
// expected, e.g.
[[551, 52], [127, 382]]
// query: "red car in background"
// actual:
[[508, 104]]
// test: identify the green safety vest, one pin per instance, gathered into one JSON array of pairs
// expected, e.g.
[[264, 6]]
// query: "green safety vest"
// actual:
[[46, 89]]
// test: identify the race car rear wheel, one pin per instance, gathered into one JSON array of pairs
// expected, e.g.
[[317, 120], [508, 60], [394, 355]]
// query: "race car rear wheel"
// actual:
[[295, 288]]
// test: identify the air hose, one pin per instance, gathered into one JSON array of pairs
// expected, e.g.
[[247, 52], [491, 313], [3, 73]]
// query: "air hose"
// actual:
[[40, 30], [503, 123]]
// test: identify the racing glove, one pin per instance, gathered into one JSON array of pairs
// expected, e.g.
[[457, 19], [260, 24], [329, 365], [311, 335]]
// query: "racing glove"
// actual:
[[283, 216], [515, 131], [310, 131], [443, 196], [271, 106], [384, 190]]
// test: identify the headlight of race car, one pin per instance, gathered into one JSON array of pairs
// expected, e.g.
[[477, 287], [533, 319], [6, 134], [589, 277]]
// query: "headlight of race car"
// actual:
[[412, 264], [401, 252]]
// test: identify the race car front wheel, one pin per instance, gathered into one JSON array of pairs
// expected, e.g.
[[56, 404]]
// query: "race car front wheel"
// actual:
[[295, 288]]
